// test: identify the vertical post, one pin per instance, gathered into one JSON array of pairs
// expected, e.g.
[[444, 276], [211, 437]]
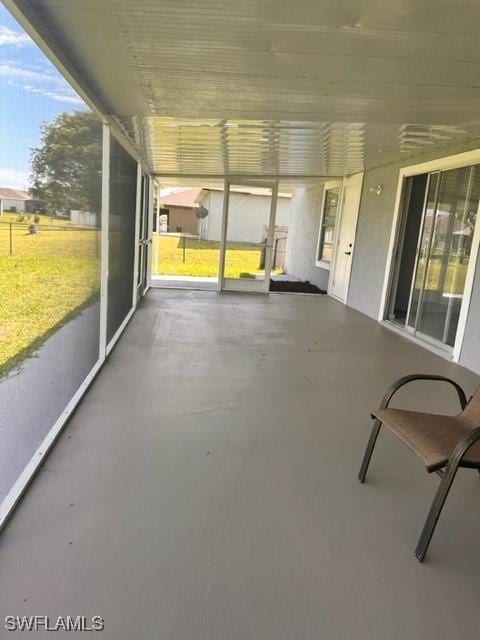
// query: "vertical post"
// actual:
[[151, 186], [263, 254], [271, 233], [11, 239], [183, 245], [136, 262], [467, 289], [104, 240], [223, 238]]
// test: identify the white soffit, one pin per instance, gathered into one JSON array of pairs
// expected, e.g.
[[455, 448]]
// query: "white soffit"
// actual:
[[293, 88]]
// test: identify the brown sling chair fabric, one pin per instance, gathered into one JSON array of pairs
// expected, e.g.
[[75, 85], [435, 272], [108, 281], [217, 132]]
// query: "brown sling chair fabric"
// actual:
[[443, 443]]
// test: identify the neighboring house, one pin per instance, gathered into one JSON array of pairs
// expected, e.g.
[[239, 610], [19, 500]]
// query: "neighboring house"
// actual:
[[13, 200], [249, 214], [21, 201], [179, 208]]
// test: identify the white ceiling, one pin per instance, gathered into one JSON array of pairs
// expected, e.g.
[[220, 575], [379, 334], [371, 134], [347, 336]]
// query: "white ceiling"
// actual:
[[272, 87]]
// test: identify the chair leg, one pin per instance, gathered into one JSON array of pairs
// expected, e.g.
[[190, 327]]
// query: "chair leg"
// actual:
[[435, 511], [369, 450]]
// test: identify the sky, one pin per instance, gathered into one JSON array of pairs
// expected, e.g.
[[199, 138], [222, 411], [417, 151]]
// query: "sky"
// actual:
[[32, 91]]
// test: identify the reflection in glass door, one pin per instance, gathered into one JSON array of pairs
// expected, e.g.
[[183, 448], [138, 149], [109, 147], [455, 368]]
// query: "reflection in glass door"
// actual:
[[443, 254], [249, 224]]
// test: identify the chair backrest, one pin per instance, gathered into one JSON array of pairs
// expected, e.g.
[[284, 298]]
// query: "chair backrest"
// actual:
[[472, 411]]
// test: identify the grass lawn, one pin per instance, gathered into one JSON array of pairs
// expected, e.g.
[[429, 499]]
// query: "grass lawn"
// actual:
[[201, 257], [50, 276], [455, 275]]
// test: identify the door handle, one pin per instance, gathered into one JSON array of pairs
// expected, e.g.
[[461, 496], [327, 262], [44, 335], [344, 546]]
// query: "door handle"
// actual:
[[348, 253]]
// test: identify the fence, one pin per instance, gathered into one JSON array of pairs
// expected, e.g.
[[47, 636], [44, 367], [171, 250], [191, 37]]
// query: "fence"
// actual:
[[25, 239], [279, 245]]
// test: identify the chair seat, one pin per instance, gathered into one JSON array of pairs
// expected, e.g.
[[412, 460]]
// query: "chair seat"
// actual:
[[431, 437]]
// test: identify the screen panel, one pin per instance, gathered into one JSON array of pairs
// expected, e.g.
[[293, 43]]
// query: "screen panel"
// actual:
[[123, 189], [50, 252]]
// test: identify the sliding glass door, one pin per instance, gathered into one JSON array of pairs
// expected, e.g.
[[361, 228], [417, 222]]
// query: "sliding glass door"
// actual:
[[443, 252]]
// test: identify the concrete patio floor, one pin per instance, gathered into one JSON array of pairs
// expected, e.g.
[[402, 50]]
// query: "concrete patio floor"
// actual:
[[206, 486]]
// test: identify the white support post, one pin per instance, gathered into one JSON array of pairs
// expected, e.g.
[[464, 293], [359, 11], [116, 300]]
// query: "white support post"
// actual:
[[151, 187], [136, 265], [223, 239], [104, 244], [270, 238], [468, 289]]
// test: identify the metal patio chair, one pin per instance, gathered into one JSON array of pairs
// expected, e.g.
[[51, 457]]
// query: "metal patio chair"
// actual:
[[443, 443]]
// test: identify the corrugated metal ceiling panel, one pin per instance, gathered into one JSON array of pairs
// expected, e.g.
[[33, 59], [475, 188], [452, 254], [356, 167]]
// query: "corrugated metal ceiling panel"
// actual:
[[310, 87]]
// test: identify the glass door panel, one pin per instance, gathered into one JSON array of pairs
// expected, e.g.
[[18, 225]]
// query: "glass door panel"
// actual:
[[250, 220], [449, 253], [443, 254], [423, 250]]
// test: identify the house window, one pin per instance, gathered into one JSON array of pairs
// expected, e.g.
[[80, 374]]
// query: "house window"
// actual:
[[327, 227]]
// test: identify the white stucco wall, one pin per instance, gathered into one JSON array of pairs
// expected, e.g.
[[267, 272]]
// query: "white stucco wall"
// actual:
[[8, 203], [302, 240], [248, 213]]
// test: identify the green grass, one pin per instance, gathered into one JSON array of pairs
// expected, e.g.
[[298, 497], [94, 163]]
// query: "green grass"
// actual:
[[50, 277], [201, 257], [28, 218], [455, 275]]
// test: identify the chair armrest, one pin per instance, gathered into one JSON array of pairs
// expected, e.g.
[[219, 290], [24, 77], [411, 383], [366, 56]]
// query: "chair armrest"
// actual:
[[401, 382], [464, 445]]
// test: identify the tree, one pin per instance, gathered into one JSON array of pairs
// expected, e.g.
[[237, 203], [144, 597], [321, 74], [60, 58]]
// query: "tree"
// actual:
[[67, 167]]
